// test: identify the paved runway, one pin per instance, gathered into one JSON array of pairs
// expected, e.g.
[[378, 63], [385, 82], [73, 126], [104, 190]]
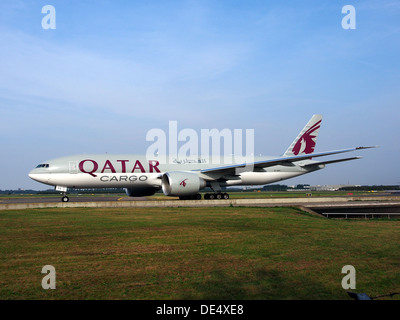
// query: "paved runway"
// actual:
[[72, 199], [119, 197], [374, 204]]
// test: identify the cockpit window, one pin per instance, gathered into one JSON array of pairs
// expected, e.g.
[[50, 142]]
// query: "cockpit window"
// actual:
[[43, 165]]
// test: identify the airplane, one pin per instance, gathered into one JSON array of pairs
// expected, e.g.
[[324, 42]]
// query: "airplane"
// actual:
[[184, 178]]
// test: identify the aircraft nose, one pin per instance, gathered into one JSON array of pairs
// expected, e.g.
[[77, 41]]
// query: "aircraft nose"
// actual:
[[33, 175], [36, 175], [41, 173]]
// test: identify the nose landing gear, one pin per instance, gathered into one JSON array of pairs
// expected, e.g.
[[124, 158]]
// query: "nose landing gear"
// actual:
[[63, 192]]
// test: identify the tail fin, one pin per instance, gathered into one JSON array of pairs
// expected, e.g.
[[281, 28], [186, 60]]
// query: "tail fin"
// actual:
[[307, 138]]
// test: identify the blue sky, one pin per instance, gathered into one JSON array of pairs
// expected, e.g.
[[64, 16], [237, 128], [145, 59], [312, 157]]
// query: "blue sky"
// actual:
[[113, 70]]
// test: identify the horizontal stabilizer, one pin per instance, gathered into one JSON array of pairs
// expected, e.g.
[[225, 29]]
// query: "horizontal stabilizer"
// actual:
[[331, 161]]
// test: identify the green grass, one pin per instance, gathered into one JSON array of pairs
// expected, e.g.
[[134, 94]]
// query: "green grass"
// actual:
[[193, 253]]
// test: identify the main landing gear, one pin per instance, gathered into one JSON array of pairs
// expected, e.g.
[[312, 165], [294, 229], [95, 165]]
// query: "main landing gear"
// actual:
[[218, 196], [207, 196], [191, 197]]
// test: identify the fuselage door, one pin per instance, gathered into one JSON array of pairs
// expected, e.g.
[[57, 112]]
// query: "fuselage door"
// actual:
[[73, 167]]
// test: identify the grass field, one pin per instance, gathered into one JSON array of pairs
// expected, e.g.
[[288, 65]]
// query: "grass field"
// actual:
[[194, 253]]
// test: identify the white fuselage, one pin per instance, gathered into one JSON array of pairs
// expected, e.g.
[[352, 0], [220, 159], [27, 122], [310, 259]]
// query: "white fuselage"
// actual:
[[126, 171]]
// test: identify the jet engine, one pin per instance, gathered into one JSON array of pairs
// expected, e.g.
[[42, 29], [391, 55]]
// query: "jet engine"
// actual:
[[181, 183]]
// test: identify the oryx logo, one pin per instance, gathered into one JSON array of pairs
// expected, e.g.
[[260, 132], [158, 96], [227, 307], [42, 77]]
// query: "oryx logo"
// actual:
[[306, 143], [183, 183]]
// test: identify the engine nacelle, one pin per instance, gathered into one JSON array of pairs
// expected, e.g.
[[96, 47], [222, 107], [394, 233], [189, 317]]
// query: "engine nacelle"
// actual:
[[141, 191], [181, 183]]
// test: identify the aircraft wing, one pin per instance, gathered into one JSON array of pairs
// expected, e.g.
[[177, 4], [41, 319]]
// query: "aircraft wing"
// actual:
[[284, 161]]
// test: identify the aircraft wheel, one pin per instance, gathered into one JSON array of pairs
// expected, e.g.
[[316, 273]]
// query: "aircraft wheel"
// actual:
[[226, 196], [198, 196], [219, 196], [211, 196], [65, 199]]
